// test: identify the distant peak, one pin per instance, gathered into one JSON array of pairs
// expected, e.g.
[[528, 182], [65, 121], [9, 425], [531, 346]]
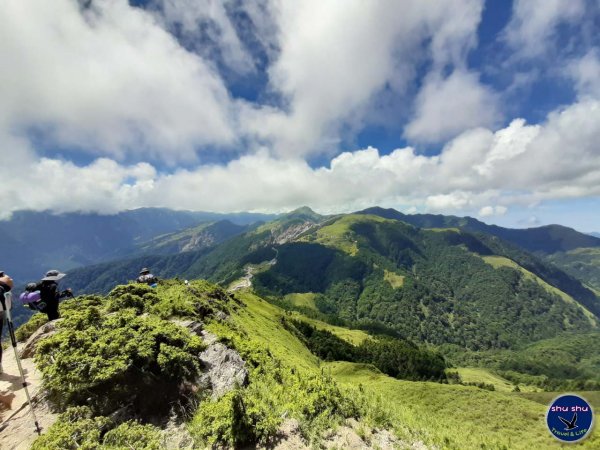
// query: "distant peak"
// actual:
[[306, 212]]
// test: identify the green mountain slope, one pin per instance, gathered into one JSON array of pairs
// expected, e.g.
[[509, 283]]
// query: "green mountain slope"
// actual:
[[581, 263], [134, 341], [545, 240], [429, 285]]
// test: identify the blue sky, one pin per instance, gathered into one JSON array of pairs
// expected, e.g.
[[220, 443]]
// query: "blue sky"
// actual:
[[467, 107]]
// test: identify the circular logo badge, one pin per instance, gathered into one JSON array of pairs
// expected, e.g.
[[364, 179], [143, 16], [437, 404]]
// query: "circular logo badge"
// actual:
[[569, 418]]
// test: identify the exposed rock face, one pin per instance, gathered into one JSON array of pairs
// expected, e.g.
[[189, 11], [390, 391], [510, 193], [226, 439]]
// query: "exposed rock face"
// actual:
[[224, 368], [44, 331], [290, 233]]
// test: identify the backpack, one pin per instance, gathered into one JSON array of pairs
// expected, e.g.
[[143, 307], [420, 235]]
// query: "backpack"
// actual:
[[32, 297]]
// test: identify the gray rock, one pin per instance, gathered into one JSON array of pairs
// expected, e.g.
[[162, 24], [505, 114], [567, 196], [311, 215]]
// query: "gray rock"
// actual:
[[46, 330], [220, 315], [195, 326], [223, 368]]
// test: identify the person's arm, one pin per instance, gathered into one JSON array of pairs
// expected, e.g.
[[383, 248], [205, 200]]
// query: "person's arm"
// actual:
[[66, 293]]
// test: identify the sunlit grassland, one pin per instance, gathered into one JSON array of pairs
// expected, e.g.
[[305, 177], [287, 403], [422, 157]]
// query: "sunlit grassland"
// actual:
[[262, 321], [458, 417], [302, 300], [395, 280], [339, 234], [501, 261], [479, 375], [442, 230], [447, 416], [593, 397]]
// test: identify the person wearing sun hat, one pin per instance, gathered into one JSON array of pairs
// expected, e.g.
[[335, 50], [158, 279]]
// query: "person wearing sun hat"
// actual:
[[50, 295], [147, 278]]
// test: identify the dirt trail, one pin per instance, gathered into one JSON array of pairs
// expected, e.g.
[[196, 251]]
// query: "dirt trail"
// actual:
[[246, 280], [17, 430]]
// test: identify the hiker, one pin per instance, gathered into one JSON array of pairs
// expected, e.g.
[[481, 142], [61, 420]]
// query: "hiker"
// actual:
[[50, 295], [6, 284], [147, 278]]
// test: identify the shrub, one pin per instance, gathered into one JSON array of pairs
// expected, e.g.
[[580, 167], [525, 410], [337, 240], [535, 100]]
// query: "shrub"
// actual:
[[255, 413], [112, 359], [76, 428], [28, 328]]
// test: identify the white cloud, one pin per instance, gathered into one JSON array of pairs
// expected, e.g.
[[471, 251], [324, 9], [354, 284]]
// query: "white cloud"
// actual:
[[112, 81], [586, 74], [480, 171], [490, 211], [335, 57], [107, 79], [534, 22], [447, 106], [208, 20]]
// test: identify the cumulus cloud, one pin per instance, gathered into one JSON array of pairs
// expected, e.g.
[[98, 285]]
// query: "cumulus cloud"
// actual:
[[447, 106], [108, 80], [489, 211], [479, 171], [130, 85]]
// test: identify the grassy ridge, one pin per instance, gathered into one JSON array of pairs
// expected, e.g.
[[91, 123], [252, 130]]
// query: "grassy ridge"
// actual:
[[460, 417], [449, 416]]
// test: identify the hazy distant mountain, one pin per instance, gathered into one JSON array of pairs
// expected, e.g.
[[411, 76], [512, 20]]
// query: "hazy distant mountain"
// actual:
[[198, 237], [595, 234], [34, 242]]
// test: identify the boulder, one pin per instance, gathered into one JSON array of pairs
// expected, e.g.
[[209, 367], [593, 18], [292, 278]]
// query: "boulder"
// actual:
[[223, 368], [46, 330]]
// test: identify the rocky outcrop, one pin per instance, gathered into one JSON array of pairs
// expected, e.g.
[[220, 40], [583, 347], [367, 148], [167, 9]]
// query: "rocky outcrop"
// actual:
[[223, 368], [43, 332]]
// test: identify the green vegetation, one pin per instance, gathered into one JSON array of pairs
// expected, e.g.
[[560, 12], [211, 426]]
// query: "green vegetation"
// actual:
[[339, 234], [501, 261], [285, 382], [306, 300], [395, 280], [285, 379], [582, 263], [28, 328], [476, 375], [567, 362], [116, 359], [448, 294], [77, 428], [457, 417], [394, 357]]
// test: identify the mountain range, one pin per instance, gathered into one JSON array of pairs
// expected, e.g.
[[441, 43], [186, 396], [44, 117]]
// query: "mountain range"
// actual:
[[429, 314], [435, 279], [34, 242]]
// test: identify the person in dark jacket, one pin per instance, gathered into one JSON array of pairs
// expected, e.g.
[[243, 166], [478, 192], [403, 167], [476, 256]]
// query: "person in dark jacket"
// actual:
[[6, 284], [146, 277], [50, 295]]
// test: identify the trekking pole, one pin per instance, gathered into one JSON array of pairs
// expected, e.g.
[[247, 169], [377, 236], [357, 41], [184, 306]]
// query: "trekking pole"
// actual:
[[11, 329]]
